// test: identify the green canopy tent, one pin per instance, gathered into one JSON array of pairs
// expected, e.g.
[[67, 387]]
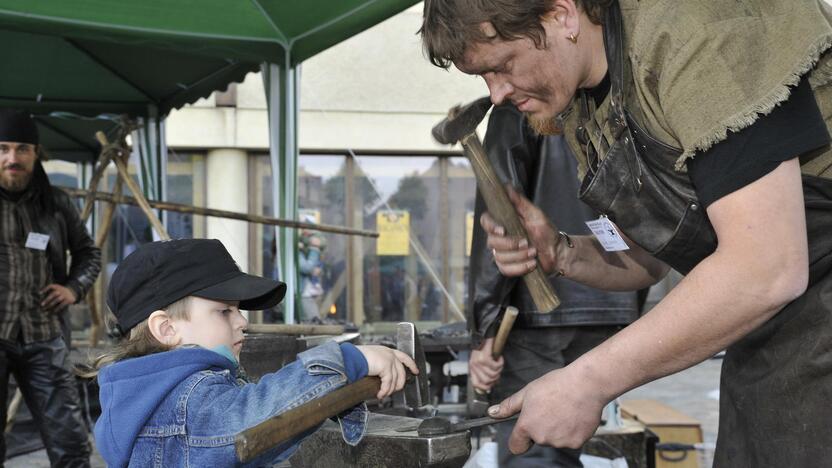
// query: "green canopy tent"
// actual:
[[71, 138], [50, 72], [276, 31], [144, 58]]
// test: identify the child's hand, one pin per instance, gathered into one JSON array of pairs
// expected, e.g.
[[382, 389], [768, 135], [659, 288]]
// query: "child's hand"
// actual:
[[388, 364]]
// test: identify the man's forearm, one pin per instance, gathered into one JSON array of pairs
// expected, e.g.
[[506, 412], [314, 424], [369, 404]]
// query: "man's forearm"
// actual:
[[719, 302], [760, 265], [588, 263]]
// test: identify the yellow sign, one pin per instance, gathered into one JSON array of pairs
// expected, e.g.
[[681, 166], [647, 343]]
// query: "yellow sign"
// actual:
[[469, 232], [394, 232], [309, 215]]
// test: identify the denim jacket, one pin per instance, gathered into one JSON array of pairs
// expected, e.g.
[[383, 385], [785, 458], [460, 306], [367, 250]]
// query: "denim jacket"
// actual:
[[182, 408]]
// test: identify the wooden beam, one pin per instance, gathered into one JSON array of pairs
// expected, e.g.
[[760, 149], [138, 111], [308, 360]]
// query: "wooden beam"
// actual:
[[182, 208]]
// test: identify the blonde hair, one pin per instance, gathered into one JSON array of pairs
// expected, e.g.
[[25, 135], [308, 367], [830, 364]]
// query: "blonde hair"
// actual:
[[140, 342]]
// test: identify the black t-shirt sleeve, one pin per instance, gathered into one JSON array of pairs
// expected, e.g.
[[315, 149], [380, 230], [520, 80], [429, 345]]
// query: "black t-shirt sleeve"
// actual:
[[794, 127]]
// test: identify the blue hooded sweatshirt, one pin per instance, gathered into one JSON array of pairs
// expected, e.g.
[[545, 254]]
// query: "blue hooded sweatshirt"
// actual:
[[188, 404]]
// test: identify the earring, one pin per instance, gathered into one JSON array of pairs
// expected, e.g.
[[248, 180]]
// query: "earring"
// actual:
[[573, 38]]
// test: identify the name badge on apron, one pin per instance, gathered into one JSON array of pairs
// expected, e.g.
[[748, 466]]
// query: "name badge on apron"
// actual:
[[37, 241], [607, 234]]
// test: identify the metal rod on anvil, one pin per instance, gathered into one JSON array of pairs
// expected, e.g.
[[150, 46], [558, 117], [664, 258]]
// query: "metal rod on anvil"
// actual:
[[295, 329], [182, 208]]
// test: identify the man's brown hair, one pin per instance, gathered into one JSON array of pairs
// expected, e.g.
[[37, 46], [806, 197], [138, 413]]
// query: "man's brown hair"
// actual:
[[449, 25]]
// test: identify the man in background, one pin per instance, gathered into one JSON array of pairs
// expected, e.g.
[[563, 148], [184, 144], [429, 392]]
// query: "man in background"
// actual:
[[543, 169], [38, 225]]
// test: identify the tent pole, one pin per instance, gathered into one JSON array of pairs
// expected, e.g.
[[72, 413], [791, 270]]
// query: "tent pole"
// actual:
[[281, 82]]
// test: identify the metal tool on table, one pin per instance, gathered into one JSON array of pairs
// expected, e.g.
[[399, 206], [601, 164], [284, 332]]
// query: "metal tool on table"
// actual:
[[383, 445], [461, 126], [441, 426], [256, 440], [415, 394], [477, 399]]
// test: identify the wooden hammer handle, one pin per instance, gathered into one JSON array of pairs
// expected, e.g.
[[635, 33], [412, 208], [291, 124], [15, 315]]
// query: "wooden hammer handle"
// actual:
[[502, 333], [253, 441], [500, 342], [501, 208]]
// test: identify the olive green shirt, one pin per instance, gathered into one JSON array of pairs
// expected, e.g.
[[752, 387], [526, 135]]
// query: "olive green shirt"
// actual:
[[701, 68]]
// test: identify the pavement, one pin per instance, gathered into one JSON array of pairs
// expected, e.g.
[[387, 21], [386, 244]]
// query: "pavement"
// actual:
[[694, 392], [39, 459]]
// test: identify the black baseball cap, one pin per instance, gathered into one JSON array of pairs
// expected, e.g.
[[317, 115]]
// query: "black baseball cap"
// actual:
[[158, 274]]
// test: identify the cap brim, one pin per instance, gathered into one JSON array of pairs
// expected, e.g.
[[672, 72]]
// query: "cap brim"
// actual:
[[253, 292]]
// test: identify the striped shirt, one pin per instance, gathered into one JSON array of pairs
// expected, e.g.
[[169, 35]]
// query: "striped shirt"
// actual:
[[24, 272]]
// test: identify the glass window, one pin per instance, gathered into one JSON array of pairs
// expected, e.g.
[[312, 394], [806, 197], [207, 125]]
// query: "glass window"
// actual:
[[399, 196], [62, 173], [462, 190], [131, 228], [417, 270], [321, 199], [262, 249], [185, 184]]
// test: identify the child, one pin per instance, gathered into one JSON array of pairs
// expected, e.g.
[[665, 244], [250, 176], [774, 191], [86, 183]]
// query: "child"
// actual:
[[310, 266], [171, 395]]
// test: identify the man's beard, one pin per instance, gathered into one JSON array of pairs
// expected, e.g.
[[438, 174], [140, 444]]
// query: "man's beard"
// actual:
[[14, 184], [545, 126]]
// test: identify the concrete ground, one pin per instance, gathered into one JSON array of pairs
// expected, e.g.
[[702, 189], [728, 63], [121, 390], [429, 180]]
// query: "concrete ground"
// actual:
[[39, 459], [694, 392]]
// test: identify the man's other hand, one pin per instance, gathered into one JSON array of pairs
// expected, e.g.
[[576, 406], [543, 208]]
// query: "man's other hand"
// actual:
[[55, 297], [559, 409], [483, 369], [516, 256]]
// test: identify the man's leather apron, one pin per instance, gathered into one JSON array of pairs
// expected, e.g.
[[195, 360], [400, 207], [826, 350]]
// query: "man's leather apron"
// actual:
[[776, 385]]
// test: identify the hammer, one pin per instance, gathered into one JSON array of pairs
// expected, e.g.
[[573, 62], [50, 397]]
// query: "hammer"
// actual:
[[461, 126], [256, 440], [478, 399]]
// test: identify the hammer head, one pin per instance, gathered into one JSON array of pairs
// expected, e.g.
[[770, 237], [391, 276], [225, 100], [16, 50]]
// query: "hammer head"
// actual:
[[415, 391], [461, 121]]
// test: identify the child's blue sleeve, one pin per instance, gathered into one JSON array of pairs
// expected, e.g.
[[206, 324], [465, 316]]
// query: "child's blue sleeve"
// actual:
[[316, 372], [354, 362]]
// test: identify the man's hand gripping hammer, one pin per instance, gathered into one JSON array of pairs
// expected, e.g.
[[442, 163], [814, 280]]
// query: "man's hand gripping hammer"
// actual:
[[461, 126]]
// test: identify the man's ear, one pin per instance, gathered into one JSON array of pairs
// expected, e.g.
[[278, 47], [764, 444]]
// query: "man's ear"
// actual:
[[565, 14], [163, 329]]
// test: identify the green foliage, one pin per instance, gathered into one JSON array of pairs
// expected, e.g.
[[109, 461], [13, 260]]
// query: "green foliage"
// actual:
[[411, 196]]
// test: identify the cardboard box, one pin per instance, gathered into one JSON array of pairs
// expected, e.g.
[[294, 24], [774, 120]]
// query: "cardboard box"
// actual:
[[671, 426]]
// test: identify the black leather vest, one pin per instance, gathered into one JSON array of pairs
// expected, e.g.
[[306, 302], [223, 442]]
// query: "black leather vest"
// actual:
[[634, 183]]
